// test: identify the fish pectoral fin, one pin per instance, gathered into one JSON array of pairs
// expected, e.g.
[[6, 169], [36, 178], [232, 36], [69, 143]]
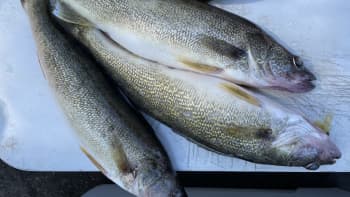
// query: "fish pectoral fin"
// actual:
[[325, 124], [222, 47], [200, 67], [63, 12], [94, 161], [240, 93]]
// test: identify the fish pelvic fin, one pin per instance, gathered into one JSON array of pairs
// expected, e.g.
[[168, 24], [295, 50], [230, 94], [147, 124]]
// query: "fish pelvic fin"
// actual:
[[240, 93], [94, 161], [203, 68], [63, 12], [325, 124]]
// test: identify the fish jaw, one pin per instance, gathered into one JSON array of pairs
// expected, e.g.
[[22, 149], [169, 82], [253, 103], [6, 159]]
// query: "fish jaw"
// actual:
[[325, 150], [23, 2], [164, 187], [305, 145], [291, 78], [152, 183], [299, 82]]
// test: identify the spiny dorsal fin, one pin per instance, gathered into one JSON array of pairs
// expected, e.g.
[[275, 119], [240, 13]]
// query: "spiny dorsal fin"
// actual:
[[238, 92], [63, 12]]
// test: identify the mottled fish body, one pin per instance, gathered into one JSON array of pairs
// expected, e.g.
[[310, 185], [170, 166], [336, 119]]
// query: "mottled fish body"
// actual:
[[212, 112], [194, 36], [114, 137]]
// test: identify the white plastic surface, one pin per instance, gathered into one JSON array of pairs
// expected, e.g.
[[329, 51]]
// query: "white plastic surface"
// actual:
[[34, 134]]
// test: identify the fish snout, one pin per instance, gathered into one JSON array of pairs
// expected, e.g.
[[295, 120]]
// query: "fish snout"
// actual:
[[329, 153], [160, 190], [302, 75], [165, 185], [23, 2], [295, 82], [321, 151]]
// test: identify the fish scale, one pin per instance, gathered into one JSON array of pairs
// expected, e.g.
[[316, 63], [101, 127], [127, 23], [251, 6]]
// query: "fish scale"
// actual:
[[244, 124], [113, 136], [191, 35]]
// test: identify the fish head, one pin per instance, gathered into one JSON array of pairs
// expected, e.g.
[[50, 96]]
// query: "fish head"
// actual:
[[153, 183], [164, 187], [279, 68], [302, 144], [23, 3]]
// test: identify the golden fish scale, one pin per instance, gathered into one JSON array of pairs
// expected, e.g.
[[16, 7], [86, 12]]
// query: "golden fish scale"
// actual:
[[102, 119], [222, 124], [176, 23]]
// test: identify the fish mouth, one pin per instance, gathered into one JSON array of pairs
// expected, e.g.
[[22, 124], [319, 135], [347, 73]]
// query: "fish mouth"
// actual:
[[306, 146], [326, 157], [23, 3], [164, 186], [297, 82], [329, 160], [326, 153]]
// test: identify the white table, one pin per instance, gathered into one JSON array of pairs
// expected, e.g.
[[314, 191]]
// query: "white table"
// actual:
[[35, 136]]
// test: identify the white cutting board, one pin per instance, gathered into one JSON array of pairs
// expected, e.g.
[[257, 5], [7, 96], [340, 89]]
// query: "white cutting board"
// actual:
[[35, 136]]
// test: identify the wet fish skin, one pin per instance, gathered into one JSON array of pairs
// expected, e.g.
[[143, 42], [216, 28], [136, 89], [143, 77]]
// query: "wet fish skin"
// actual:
[[212, 112], [194, 36], [111, 133]]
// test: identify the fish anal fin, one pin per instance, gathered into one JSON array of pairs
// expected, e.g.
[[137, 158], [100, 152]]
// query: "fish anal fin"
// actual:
[[63, 12], [238, 92]]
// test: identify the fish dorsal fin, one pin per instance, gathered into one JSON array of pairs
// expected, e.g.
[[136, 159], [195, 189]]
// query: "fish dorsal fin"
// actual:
[[222, 47], [63, 12], [240, 93]]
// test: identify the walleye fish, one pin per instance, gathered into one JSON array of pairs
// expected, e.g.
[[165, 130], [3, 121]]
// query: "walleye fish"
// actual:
[[195, 36], [212, 112], [113, 136]]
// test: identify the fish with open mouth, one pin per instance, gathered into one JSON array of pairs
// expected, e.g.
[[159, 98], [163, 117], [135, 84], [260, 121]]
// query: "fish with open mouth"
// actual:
[[112, 134], [211, 112], [190, 35]]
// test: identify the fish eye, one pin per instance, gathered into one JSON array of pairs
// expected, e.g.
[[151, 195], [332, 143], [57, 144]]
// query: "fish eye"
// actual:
[[297, 62]]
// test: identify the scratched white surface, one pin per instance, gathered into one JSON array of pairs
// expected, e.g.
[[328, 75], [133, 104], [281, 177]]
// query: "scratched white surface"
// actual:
[[34, 134]]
